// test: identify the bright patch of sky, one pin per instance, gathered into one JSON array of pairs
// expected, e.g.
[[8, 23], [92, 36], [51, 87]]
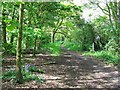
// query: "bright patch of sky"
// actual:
[[90, 13]]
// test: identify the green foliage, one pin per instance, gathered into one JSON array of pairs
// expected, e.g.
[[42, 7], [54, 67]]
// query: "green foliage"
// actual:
[[11, 48], [83, 34], [28, 74], [32, 68], [39, 20], [10, 74], [106, 56], [53, 48], [112, 46], [72, 46]]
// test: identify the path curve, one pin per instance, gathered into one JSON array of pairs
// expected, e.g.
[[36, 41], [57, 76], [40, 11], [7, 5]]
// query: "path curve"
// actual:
[[77, 71], [73, 70]]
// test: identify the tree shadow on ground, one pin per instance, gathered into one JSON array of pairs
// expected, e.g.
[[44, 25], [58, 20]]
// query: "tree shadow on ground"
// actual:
[[72, 70]]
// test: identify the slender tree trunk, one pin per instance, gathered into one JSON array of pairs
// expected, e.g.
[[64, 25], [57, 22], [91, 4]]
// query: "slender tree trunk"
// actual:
[[119, 27], [93, 47], [19, 42], [38, 44], [110, 17], [53, 37], [34, 51], [59, 23], [27, 46], [12, 35], [4, 30], [12, 38]]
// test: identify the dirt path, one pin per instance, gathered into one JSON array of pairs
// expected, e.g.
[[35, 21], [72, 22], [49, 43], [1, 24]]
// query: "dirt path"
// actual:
[[73, 70]]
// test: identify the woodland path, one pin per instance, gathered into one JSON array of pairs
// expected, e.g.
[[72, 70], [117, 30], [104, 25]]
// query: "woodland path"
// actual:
[[73, 70]]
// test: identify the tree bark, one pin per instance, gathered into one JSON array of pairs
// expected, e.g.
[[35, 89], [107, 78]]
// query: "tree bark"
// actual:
[[34, 51], [12, 35], [4, 30], [59, 23], [110, 17], [19, 42], [27, 46], [12, 38], [119, 27], [38, 44], [53, 37]]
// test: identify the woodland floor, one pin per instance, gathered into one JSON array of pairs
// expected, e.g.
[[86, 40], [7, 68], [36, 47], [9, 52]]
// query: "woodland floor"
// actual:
[[71, 70]]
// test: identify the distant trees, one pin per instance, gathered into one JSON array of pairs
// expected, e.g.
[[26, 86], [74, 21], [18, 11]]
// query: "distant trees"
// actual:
[[111, 10]]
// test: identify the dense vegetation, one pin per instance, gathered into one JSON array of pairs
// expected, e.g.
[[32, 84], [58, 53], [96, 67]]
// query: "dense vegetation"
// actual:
[[46, 27]]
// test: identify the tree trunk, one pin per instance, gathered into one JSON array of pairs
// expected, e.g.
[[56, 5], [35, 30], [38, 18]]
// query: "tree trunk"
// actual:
[[19, 42], [12, 35], [38, 44], [59, 23], [110, 17], [53, 37], [119, 27], [27, 46], [34, 51], [93, 47], [4, 30], [12, 39]]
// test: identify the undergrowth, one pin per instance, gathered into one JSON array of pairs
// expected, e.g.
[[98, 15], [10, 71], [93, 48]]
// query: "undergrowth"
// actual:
[[53, 48], [106, 56], [72, 46], [28, 72]]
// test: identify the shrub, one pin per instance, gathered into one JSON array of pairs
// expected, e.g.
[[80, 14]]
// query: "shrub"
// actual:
[[53, 48], [72, 46]]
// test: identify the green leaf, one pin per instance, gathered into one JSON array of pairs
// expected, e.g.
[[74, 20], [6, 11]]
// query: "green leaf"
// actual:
[[10, 28], [8, 20]]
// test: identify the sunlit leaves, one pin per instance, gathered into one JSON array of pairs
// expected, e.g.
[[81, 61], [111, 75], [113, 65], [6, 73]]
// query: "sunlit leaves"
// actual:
[[37, 31], [12, 26]]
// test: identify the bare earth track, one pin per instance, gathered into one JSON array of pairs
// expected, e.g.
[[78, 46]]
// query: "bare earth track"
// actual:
[[71, 70]]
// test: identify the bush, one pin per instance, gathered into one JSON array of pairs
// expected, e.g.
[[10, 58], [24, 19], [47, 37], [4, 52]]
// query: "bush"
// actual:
[[10, 49], [53, 48], [72, 46], [111, 46]]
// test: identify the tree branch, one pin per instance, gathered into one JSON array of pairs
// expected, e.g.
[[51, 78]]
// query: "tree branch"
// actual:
[[110, 17], [63, 34], [103, 10], [59, 24]]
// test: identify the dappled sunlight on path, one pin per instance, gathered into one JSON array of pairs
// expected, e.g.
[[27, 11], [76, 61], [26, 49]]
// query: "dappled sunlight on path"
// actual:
[[72, 70]]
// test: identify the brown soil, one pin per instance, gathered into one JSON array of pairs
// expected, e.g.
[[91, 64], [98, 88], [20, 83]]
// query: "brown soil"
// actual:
[[71, 70]]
